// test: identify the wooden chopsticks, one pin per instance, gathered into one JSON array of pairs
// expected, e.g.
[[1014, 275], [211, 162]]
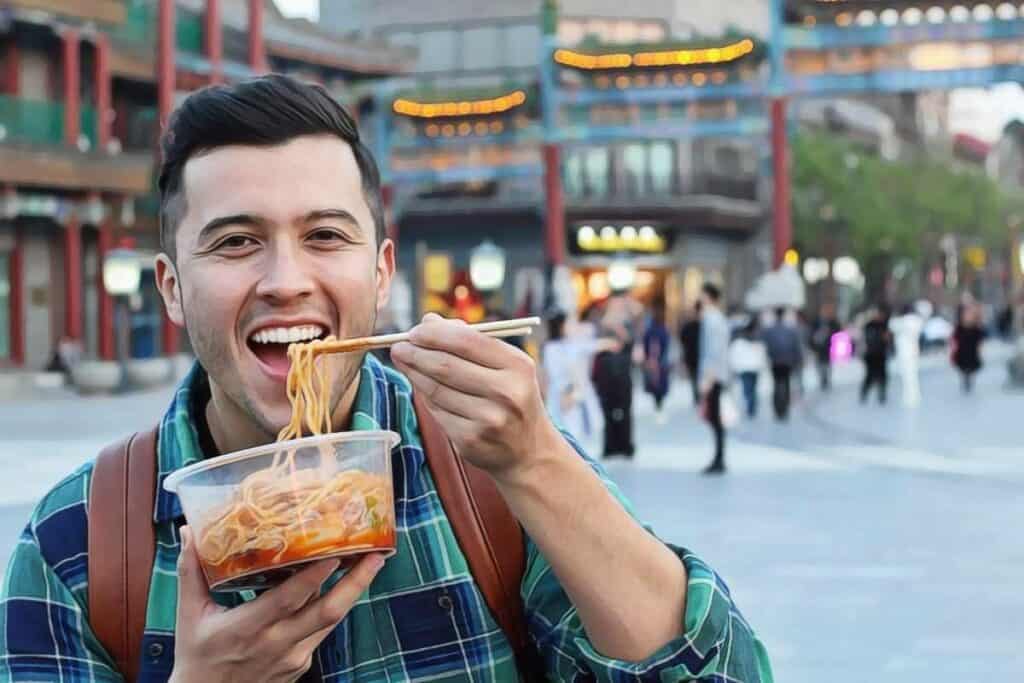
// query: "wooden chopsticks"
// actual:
[[516, 327]]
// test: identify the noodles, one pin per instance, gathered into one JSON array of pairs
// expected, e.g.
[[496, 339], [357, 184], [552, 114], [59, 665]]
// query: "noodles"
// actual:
[[308, 392], [281, 514]]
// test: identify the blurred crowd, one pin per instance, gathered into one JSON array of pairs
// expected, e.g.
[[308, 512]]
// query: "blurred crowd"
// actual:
[[591, 364]]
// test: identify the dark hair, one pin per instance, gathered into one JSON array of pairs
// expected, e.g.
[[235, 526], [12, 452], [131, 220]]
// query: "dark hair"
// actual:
[[713, 292], [780, 312], [260, 112], [556, 326]]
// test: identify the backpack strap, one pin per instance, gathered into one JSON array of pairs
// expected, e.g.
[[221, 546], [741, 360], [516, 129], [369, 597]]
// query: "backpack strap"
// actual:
[[487, 532], [122, 545]]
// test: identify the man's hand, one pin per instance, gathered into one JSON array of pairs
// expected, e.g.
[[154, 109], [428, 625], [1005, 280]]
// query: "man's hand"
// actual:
[[483, 391], [271, 638]]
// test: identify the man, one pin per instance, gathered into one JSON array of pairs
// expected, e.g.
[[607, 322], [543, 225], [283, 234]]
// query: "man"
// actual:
[[877, 343], [824, 326], [784, 354], [613, 373], [713, 368], [271, 220], [689, 339]]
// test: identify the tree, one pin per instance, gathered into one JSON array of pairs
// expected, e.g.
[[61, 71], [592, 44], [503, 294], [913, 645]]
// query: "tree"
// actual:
[[882, 212]]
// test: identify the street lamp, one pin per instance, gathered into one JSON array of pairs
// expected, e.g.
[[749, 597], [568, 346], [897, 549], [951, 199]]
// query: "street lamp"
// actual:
[[621, 274], [487, 267], [122, 275]]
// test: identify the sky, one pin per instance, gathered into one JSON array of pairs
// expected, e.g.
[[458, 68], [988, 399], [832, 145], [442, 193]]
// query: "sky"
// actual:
[[310, 9]]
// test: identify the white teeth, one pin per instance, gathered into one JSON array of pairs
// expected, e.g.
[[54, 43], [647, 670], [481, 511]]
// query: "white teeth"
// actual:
[[287, 335]]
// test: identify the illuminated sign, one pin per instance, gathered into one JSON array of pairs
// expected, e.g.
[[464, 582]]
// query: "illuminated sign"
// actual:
[[613, 239]]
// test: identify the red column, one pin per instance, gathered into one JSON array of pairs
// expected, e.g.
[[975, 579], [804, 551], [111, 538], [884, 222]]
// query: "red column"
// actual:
[[73, 279], [257, 54], [71, 68], [17, 299], [11, 69], [213, 40], [165, 102], [102, 78], [106, 304], [782, 234], [555, 205]]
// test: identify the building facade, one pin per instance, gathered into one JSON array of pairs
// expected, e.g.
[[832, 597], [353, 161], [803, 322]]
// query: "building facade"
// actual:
[[477, 174], [84, 85]]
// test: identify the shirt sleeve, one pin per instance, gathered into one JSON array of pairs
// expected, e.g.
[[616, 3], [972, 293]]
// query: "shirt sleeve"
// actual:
[[44, 629], [717, 642]]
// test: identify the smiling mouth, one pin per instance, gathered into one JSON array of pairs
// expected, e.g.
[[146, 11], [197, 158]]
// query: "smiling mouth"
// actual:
[[270, 345]]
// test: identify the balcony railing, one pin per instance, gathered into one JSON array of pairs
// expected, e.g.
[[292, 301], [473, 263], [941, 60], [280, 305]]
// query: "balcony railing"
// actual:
[[140, 27], [41, 122], [36, 122]]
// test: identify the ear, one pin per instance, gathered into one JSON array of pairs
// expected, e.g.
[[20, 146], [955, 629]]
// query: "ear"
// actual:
[[385, 271], [170, 289]]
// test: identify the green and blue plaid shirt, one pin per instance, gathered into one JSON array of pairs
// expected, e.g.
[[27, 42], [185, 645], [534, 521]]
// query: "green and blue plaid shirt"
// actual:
[[422, 619]]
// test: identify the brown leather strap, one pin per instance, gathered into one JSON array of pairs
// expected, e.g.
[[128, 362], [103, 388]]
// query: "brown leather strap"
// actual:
[[122, 544], [488, 534]]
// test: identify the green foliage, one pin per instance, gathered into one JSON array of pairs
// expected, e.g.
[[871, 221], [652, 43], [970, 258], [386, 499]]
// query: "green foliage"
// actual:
[[889, 209]]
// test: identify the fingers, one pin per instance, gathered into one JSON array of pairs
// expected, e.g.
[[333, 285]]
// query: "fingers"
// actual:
[[329, 610], [459, 339], [291, 596], [442, 368], [193, 592]]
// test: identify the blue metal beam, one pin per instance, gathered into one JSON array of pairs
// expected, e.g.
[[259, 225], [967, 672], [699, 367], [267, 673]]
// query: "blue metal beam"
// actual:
[[831, 37], [463, 174], [729, 91], [904, 80], [741, 127], [526, 136]]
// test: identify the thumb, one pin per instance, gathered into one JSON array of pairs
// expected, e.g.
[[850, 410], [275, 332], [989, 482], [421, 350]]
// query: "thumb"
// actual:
[[193, 592]]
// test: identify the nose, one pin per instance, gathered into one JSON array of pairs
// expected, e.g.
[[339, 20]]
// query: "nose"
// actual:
[[287, 277]]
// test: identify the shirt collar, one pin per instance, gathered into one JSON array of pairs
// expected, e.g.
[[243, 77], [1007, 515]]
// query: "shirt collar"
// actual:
[[179, 447]]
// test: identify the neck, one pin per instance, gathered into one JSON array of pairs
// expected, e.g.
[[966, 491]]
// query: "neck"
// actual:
[[233, 428]]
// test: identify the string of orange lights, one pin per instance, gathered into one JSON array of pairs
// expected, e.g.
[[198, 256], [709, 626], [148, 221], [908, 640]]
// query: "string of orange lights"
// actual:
[[692, 57], [429, 110]]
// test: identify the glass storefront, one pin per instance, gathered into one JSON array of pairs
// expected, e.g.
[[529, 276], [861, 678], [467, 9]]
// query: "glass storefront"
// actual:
[[5, 306]]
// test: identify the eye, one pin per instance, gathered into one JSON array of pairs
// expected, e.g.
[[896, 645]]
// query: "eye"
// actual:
[[236, 242], [327, 236]]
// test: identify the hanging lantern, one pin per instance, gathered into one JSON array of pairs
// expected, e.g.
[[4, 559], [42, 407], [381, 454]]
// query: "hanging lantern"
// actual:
[[487, 267]]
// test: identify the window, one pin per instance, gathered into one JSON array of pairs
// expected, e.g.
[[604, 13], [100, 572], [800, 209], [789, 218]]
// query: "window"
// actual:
[[5, 306], [597, 171], [437, 51], [480, 48], [634, 165], [662, 162], [574, 174], [523, 46]]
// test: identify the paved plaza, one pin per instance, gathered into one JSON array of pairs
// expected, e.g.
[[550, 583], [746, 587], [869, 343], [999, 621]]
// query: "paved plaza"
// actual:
[[865, 543]]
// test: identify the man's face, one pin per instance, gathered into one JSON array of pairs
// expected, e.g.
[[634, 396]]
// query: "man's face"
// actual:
[[277, 244]]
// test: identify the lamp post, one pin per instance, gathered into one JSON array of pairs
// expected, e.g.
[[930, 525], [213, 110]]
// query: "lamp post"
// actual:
[[487, 264], [122, 274]]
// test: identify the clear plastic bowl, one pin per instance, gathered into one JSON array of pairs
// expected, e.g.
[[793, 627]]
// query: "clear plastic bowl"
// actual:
[[259, 515]]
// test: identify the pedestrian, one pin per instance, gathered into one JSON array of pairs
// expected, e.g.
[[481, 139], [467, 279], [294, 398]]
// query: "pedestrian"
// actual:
[[784, 353], [822, 330], [656, 360], [689, 339], [714, 369], [613, 373], [877, 345], [967, 339], [246, 263], [906, 330], [798, 322], [747, 360], [565, 361]]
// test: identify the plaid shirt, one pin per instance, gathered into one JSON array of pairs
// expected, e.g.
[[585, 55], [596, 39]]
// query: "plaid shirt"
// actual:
[[422, 619]]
